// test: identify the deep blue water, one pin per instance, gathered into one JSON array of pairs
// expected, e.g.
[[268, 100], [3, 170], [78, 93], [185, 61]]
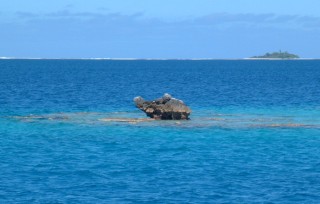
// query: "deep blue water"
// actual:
[[253, 137]]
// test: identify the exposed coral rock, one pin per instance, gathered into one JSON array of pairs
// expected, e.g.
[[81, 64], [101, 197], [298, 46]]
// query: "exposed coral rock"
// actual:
[[165, 108]]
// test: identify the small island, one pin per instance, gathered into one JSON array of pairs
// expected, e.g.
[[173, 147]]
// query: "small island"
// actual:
[[277, 55]]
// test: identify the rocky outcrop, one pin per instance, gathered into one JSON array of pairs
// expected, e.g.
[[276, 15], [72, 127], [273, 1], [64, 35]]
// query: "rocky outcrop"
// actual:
[[165, 108]]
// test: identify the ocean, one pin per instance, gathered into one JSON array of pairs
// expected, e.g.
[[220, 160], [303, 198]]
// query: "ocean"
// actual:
[[253, 137]]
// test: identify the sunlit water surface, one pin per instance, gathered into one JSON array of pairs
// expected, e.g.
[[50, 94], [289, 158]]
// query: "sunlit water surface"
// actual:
[[254, 134]]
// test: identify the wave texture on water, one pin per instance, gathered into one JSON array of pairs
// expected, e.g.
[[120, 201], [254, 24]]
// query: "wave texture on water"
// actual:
[[69, 132]]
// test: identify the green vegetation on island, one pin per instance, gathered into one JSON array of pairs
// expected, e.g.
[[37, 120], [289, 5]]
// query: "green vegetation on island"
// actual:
[[278, 55]]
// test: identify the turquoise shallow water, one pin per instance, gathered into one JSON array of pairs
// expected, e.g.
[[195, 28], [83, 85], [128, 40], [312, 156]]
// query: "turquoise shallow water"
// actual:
[[253, 136]]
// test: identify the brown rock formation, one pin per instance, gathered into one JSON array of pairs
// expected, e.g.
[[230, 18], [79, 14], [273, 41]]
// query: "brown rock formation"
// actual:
[[165, 108]]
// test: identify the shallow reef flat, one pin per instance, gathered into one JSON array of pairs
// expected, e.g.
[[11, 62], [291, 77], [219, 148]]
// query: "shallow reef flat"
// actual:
[[202, 120]]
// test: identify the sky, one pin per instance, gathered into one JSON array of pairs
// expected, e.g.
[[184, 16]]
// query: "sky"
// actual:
[[158, 28]]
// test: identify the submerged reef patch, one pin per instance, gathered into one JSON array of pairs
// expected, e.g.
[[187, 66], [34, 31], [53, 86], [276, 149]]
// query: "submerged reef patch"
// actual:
[[207, 120]]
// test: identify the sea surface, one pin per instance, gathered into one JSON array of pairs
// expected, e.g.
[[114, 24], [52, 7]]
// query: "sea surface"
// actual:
[[253, 137]]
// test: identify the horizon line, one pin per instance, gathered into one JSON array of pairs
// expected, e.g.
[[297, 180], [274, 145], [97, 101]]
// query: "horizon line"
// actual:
[[151, 59]]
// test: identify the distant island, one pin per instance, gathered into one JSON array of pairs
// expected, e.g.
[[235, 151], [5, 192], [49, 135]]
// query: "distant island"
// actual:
[[277, 55]]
